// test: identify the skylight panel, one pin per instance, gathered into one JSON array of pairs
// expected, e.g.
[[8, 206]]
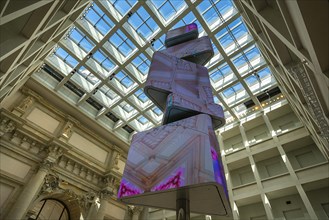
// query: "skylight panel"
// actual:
[[104, 61], [108, 92], [216, 100], [123, 6], [260, 80], [142, 120], [124, 79], [234, 36], [222, 75], [249, 60], [142, 63], [85, 73], [234, 94], [157, 111], [122, 43], [204, 6], [67, 58], [125, 106], [81, 40], [159, 43], [99, 19], [216, 12], [143, 23], [167, 11], [141, 95]]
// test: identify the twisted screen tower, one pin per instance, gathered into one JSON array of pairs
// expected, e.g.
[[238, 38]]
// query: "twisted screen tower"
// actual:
[[178, 161]]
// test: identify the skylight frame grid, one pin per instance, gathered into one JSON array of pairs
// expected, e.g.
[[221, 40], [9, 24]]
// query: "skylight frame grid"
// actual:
[[102, 18], [126, 94], [145, 20]]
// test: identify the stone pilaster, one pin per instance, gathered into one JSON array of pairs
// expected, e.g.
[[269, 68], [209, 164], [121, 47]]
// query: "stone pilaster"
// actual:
[[33, 187]]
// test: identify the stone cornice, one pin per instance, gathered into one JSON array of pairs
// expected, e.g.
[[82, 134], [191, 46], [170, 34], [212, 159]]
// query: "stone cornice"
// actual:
[[70, 118], [76, 122]]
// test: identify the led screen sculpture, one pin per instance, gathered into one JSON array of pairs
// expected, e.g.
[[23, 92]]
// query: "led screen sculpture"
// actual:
[[179, 160]]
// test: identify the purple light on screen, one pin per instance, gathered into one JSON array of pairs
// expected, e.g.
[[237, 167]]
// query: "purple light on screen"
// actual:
[[171, 182], [218, 170], [128, 189], [192, 26]]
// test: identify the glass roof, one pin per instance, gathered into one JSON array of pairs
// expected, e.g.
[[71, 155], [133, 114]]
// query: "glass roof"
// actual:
[[102, 62]]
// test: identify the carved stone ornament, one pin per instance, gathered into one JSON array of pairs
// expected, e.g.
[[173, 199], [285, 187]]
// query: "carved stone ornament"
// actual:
[[46, 165], [54, 152], [87, 199], [27, 102], [116, 162], [134, 210], [51, 184], [67, 130], [6, 126], [106, 193]]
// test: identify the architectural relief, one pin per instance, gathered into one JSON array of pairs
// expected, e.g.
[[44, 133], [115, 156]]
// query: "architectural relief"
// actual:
[[6, 126], [79, 170], [116, 162], [51, 184], [67, 130], [26, 103], [87, 199]]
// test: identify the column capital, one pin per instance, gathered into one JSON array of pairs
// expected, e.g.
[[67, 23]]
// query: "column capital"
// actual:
[[106, 194], [46, 165], [54, 152], [87, 199], [50, 184], [134, 210]]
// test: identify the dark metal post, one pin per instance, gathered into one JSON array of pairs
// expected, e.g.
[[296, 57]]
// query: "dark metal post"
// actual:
[[182, 209]]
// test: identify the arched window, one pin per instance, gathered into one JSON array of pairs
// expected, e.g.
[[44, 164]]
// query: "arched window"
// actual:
[[50, 209]]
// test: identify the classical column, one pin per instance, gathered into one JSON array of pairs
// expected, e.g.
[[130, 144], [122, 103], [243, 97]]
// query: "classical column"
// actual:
[[135, 211], [33, 187], [144, 214], [105, 196]]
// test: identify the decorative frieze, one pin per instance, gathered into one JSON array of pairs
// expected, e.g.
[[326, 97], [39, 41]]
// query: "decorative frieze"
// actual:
[[79, 170], [27, 143]]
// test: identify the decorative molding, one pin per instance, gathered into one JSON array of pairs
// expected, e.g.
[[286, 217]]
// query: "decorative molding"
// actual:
[[46, 165], [79, 170], [67, 130], [54, 152], [51, 184], [87, 199], [134, 210], [116, 162], [25, 104]]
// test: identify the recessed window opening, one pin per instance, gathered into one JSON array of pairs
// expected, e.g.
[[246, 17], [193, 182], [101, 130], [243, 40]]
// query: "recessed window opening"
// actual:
[[50, 209]]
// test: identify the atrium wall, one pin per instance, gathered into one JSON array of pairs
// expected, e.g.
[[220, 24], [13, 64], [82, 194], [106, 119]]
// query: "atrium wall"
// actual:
[[275, 159]]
